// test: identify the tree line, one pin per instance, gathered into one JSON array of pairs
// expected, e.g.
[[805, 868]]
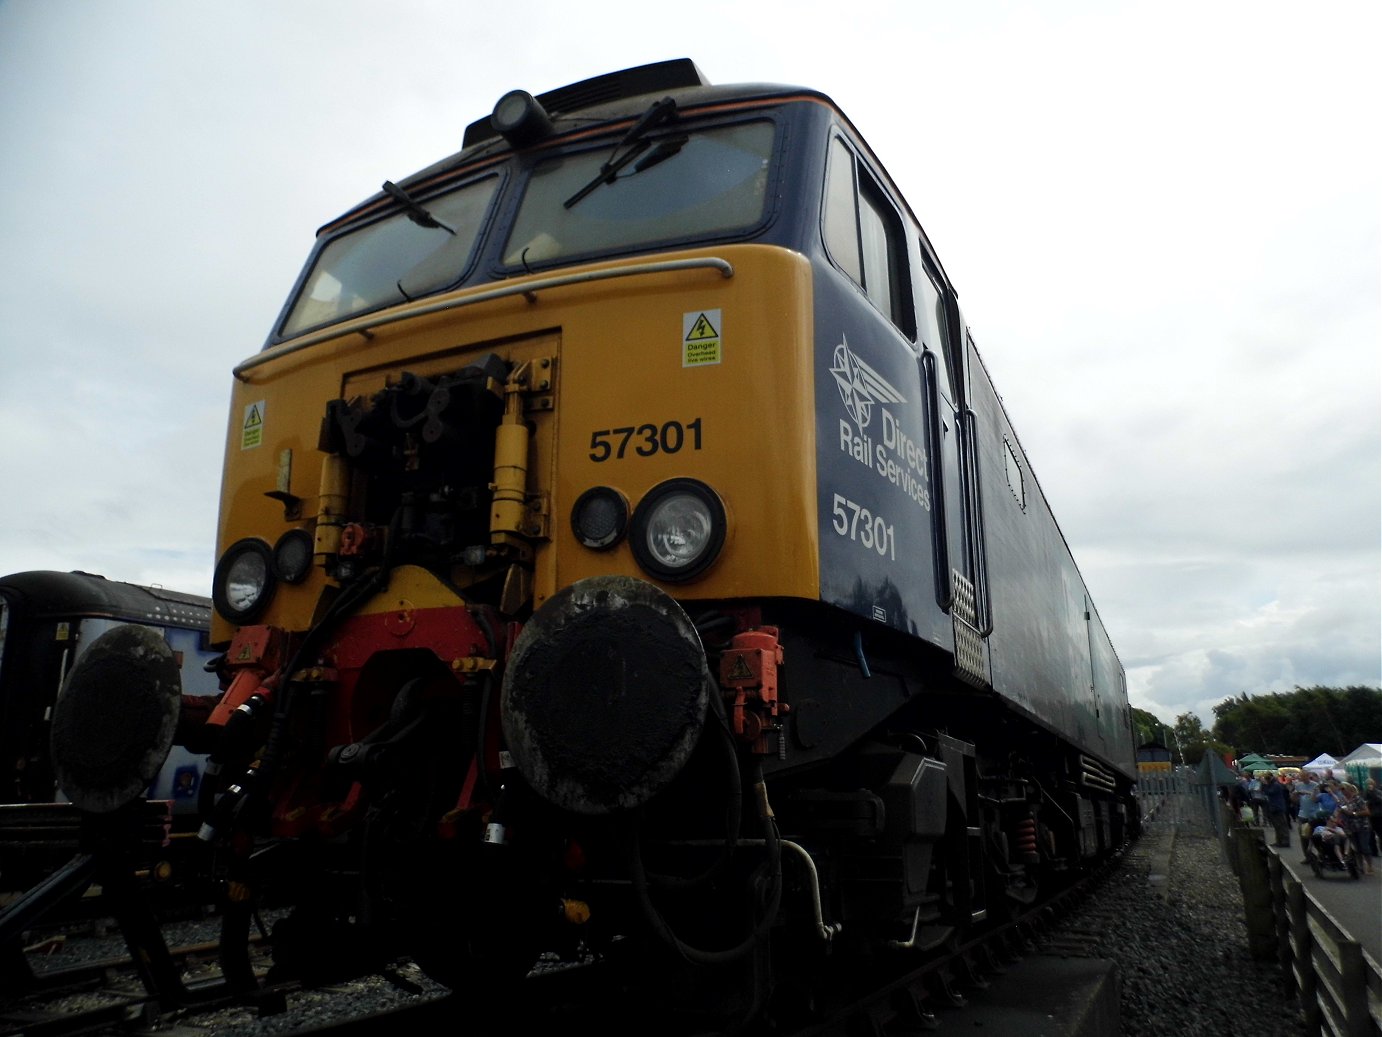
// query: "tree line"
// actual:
[[1304, 722]]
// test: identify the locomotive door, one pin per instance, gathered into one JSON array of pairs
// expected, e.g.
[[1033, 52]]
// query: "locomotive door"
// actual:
[[961, 563]]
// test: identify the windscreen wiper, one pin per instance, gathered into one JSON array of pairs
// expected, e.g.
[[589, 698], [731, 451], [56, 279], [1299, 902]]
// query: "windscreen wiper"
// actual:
[[662, 151], [413, 210], [637, 143]]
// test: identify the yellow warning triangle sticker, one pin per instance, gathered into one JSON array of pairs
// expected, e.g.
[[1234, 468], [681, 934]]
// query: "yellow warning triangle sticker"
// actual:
[[253, 418], [702, 330], [739, 671]]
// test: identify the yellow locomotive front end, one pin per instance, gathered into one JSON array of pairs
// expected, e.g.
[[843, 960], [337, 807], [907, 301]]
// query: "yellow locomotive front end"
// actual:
[[532, 441], [458, 468], [605, 389]]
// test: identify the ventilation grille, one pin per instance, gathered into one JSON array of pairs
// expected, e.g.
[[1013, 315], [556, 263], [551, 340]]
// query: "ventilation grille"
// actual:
[[969, 644]]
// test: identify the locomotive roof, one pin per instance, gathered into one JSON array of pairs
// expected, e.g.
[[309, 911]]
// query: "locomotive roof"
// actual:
[[68, 594], [611, 98], [621, 94], [608, 98]]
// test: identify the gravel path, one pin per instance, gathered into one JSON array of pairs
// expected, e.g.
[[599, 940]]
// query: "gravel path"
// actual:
[[1182, 947]]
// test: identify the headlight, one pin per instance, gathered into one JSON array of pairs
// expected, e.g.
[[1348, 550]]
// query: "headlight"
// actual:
[[520, 118], [293, 555], [599, 517], [244, 581], [678, 530]]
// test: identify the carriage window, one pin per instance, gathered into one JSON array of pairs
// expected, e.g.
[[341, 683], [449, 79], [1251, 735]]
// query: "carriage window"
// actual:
[[864, 235]]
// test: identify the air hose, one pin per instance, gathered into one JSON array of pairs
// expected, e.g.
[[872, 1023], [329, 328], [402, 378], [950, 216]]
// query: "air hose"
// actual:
[[771, 905]]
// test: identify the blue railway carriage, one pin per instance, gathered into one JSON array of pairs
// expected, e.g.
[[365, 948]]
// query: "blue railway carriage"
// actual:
[[623, 550]]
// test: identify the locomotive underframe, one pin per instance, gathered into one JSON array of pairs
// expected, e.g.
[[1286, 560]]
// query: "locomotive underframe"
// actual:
[[892, 839]]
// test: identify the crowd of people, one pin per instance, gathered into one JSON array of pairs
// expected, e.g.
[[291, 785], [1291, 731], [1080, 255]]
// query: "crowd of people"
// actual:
[[1338, 816]]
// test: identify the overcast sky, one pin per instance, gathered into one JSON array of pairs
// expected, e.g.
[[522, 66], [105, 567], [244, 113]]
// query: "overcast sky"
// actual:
[[1162, 218]]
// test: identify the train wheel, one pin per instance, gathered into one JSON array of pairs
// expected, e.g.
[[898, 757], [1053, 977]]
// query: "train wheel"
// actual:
[[475, 929]]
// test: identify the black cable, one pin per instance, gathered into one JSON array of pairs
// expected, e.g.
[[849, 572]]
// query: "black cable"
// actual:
[[764, 924], [734, 811]]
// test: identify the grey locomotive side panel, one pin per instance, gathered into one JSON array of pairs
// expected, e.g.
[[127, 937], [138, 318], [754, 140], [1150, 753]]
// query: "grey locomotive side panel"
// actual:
[[1040, 644], [1111, 692]]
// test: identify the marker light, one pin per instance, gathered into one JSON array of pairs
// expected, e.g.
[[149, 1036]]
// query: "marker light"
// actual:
[[293, 555], [678, 530], [243, 582], [599, 517]]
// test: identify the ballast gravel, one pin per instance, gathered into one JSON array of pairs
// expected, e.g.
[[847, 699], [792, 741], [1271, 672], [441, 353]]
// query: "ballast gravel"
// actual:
[[1183, 960]]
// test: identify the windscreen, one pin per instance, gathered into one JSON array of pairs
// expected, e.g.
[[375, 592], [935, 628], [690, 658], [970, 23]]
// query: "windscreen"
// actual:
[[405, 255], [677, 187], [706, 183]]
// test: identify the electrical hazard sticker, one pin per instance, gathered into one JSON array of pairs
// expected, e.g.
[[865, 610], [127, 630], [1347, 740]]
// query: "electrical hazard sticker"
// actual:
[[739, 670], [252, 431], [700, 338]]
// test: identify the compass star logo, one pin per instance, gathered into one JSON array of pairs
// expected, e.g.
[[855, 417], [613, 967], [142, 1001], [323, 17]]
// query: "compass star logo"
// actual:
[[860, 385]]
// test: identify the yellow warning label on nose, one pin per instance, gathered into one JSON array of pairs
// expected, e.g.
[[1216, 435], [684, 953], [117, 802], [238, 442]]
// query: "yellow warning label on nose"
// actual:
[[252, 431], [700, 338]]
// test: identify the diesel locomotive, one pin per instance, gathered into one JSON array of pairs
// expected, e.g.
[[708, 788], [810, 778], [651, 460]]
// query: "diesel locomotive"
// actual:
[[624, 552]]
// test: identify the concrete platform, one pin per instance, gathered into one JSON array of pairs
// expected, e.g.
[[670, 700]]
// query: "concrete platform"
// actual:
[[1043, 996]]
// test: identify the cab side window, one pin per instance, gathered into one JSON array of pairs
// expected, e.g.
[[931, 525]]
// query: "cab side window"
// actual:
[[841, 231], [863, 234], [932, 324]]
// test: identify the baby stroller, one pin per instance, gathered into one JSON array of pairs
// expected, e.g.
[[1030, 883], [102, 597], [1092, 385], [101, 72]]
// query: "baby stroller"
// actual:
[[1322, 859]]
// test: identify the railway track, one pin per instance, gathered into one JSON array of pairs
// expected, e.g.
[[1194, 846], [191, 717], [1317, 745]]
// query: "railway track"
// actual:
[[105, 995]]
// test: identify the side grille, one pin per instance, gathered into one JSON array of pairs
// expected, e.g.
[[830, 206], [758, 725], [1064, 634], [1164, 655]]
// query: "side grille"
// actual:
[[969, 644]]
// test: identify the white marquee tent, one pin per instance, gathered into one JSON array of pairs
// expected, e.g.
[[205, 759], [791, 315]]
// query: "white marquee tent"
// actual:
[[1369, 754], [1324, 763], [1366, 757]]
